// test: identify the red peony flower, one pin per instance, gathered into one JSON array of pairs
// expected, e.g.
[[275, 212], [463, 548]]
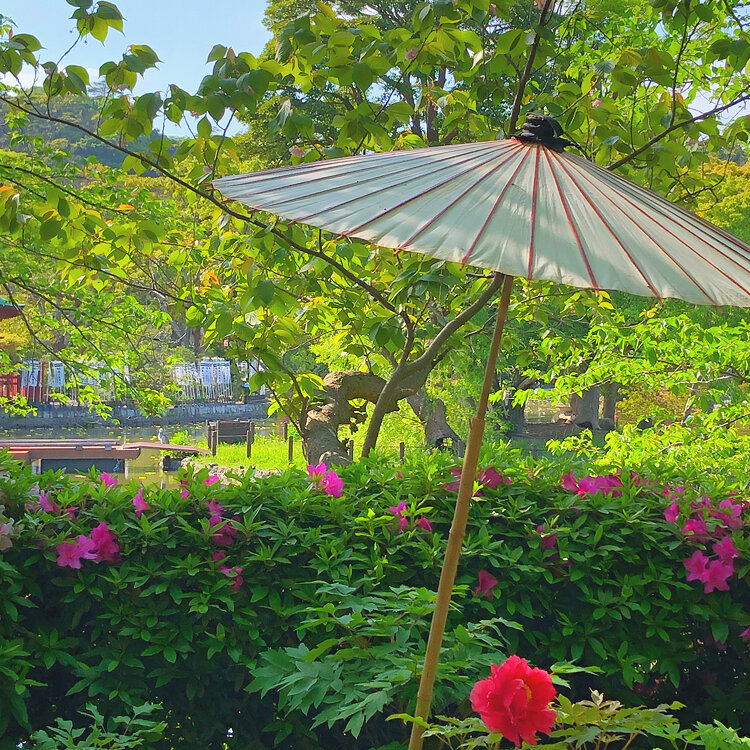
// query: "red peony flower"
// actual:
[[514, 700]]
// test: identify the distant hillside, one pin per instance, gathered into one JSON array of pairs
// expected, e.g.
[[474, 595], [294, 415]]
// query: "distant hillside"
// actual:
[[79, 109]]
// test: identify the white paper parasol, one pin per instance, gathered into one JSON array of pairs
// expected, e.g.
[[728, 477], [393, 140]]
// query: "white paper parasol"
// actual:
[[521, 207]]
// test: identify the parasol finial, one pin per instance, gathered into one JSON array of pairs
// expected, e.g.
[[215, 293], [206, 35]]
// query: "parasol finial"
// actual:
[[545, 130]]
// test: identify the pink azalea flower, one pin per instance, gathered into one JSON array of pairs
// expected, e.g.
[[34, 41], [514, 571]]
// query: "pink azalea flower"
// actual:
[[596, 103], [411, 53], [725, 550], [696, 528], [332, 484], [215, 508], [568, 482], [107, 547], [211, 479], [139, 503], [487, 582], [48, 506], [489, 477], [492, 478], [716, 576], [604, 483], [453, 486], [673, 494], [327, 479], [225, 534], [549, 541], [672, 512], [730, 514], [185, 494], [701, 502], [233, 573], [70, 554], [108, 480], [296, 151], [696, 566], [218, 555], [639, 481], [316, 472], [745, 634], [424, 524], [398, 511], [400, 474], [493, 9]]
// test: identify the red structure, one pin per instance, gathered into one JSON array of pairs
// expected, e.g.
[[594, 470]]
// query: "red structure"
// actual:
[[10, 384]]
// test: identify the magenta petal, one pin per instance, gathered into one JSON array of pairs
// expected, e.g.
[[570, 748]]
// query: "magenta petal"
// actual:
[[695, 565], [671, 513], [486, 583], [108, 480], [424, 524], [139, 503]]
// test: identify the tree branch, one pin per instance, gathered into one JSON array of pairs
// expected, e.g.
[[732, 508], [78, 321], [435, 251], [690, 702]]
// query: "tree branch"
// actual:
[[677, 126]]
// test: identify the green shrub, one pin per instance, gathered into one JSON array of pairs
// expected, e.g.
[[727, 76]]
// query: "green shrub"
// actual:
[[323, 637], [118, 733]]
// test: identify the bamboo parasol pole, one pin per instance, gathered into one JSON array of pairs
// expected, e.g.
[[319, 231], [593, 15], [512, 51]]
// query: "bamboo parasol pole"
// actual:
[[458, 527]]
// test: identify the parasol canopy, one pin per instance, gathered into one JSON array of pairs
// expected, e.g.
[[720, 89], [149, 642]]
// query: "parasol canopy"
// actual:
[[522, 209]]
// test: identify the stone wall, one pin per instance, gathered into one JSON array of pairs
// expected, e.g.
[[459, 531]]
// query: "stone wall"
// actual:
[[58, 415]]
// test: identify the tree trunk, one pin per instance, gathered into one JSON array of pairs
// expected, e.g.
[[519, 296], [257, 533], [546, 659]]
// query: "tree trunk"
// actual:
[[513, 413], [409, 377], [585, 408], [611, 395], [431, 412], [516, 415], [321, 427]]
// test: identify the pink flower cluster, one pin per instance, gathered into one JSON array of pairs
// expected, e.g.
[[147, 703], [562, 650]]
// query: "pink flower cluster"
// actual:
[[728, 517], [707, 524], [223, 534], [606, 483], [487, 476], [50, 506], [403, 522], [713, 574], [226, 531], [235, 573], [101, 545], [327, 479]]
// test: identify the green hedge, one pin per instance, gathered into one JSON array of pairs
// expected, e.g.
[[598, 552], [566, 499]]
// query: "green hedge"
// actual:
[[323, 638]]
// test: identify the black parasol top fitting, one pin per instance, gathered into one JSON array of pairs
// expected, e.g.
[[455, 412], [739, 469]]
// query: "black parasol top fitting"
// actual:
[[545, 130]]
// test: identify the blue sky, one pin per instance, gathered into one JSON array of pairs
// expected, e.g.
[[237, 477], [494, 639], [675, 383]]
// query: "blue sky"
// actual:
[[181, 32]]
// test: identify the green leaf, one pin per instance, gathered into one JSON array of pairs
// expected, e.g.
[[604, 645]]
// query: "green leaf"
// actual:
[[265, 291]]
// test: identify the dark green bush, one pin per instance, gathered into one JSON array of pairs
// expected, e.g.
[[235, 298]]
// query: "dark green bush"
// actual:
[[323, 639]]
